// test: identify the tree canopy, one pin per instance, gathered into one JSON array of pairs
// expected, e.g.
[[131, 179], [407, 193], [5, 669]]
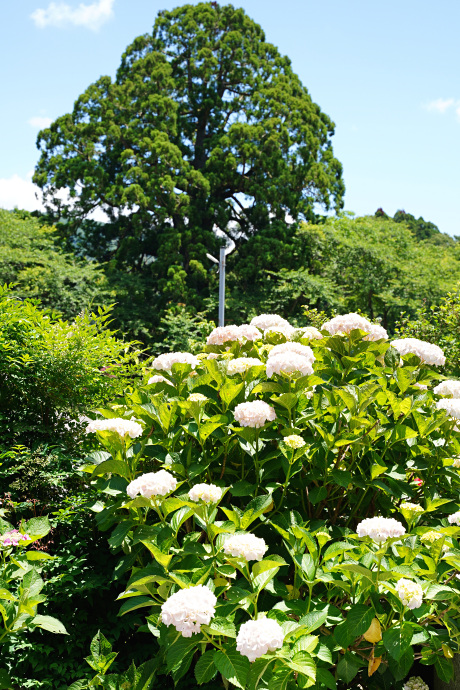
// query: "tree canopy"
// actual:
[[205, 128]]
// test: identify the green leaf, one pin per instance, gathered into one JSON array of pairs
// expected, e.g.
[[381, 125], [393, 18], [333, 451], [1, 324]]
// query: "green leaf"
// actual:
[[313, 620], [114, 466], [233, 666], [49, 623], [229, 391], [254, 509], [348, 667], [181, 651], [205, 669], [437, 503], [302, 662], [397, 640], [39, 556], [257, 671], [5, 680], [281, 678], [326, 678], [6, 595], [359, 619], [401, 668], [135, 603], [220, 626], [444, 668], [338, 547], [37, 527]]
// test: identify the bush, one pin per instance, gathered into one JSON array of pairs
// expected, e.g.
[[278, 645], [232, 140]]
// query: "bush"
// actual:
[[52, 370], [338, 600]]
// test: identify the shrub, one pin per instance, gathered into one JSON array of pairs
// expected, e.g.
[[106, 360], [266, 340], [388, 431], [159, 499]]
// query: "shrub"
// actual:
[[317, 547]]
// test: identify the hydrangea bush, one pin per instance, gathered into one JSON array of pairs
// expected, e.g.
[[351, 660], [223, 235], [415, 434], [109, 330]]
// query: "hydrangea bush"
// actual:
[[289, 523]]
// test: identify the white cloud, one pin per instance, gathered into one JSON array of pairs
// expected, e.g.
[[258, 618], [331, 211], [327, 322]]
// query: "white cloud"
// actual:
[[61, 15], [40, 122], [19, 191], [440, 105]]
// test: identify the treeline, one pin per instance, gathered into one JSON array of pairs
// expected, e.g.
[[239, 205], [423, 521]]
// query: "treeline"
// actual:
[[382, 266]]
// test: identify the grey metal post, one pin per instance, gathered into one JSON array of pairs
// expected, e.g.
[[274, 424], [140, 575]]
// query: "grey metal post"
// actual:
[[222, 286]]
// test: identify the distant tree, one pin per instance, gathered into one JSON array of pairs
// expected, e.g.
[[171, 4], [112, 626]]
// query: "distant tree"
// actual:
[[206, 127], [422, 229]]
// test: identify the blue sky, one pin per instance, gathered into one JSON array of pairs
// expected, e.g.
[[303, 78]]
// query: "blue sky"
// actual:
[[386, 73]]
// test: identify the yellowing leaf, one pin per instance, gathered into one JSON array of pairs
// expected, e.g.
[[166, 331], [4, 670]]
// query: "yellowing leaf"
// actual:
[[373, 633]]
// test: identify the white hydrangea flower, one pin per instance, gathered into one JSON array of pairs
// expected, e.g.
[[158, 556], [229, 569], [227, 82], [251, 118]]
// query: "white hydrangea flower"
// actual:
[[431, 536], [451, 406], [197, 397], [265, 321], [240, 365], [288, 363], [412, 507], [310, 332], [208, 493], [422, 386], [213, 355], [120, 426], [254, 414], [415, 683], [298, 348], [454, 519], [410, 593], [158, 378], [246, 546], [288, 331], [256, 638], [188, 609], [249, 332], [152, 484], [380, 529], [166, 361], [449, 388], [294, 441], [223, 334], [345, 323], [426, 352], [456, 463]]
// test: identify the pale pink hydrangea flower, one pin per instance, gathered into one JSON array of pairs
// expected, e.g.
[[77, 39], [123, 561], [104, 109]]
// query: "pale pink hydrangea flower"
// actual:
[[380, 529], [158, 378], [309, 332], [254, 414], [287, 331], [249, 332], [207, 493], [454, 519], [118, 425], [256, 638], [426, 352], [303, 350], [152, 484], [246, 546], [288, 363], [410, 593], [376, 332], [13, 537], [451, 406], [223, 334], [449, 388], [188, 609], [166, 361], [345, 323], [241, 365], [265, 321]]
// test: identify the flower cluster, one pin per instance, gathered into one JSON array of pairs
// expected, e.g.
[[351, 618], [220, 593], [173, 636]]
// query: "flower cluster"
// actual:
[[166, 361], [297, 348], [449, 388], [118, 425], [288, 363], [13, 537], [294, 441], [266, 321], [228, 334], [426, 352], [345, 323], [451, 406], [431, 536], [246, 546], [256, 638], [158, 378], [254, 414], [454, 519], [380, 529], [288, 331], [188, 609], [410, 593], [412, 508], [456, 462], [152, 484], [415, 683], [208, 493], [197, 397], [240, 365], [310, 333]]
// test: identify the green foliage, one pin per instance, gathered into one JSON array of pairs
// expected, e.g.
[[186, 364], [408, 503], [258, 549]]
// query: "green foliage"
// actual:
[[31, 258], [51, 370], [205, 127], [439, 324], [371, 441]]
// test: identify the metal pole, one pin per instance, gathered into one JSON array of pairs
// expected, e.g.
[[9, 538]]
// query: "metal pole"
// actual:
[[222, 286]]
